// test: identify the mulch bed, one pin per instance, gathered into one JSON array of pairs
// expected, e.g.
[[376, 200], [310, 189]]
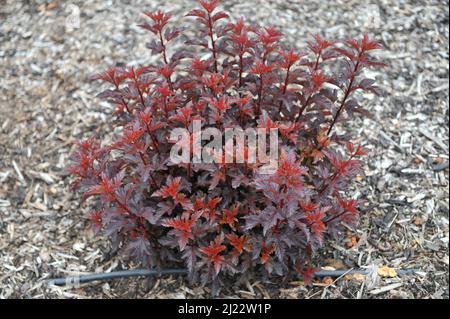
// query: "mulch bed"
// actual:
[[47, 102]]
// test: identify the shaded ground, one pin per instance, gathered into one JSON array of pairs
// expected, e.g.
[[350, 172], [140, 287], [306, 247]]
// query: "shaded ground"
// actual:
[[46, 102]]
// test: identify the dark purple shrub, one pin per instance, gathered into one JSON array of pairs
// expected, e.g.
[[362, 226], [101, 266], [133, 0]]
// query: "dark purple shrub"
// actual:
[[223, 219]]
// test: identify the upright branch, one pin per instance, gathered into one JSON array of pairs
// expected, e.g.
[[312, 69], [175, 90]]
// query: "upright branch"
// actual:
[[260, 69], [357, 54], [208, 18], [289, 58], [164, 35], [348, 90], [213, 41], [268, 38], [163, 47], [114, 76], [241, 44], [320, 48]]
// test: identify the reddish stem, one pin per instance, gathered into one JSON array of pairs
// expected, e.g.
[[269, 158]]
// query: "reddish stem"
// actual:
[[241, 69], [164, 55], [136, 82], [304, 106], [316, 66], [123, 101], [155, 142], [121, 205], [260, 92], [163, 46], [213, 43], [142, 158], [333, 177], [165, 109], [347, 94], [286, 83], [145, 163], [335, 217]]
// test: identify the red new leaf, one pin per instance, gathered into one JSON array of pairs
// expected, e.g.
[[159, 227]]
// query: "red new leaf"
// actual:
[[238, 242], [229, 217], [170, 190], [212, 254]]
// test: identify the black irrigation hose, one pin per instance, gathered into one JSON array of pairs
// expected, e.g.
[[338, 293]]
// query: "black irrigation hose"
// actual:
[[73, 280]]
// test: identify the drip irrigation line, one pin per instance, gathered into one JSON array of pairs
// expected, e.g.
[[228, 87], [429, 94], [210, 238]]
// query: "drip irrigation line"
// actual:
[[73, 280]]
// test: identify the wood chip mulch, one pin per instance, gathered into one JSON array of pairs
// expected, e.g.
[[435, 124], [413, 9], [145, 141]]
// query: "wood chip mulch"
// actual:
[[47, 102]]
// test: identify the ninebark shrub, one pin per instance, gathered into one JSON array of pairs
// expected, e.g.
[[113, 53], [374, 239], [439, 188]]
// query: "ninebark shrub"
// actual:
[[225, 219]]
